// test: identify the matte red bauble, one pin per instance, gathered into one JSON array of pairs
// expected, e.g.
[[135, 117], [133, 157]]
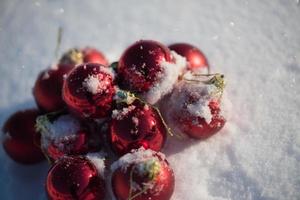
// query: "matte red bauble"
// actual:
[[74, 178], [88, 91], [136, 125], [142, 175], [139, 67], [195, 58], [21, 142], [48, 87]]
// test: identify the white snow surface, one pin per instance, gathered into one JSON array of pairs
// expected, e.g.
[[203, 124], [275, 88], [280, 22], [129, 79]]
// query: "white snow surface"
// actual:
[[256, 44]]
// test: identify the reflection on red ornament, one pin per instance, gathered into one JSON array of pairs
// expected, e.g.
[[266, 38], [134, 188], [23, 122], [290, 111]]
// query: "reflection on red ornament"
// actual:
[[74, 178], [48, 88]]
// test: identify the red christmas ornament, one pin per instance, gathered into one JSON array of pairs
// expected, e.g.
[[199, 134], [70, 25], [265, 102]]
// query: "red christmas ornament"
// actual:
[[75, 178], [194, 106], [65, 135], [48, 87], [139, 67], [196, 59], [88, 91], [91, 55], [86, 55], [134, 125], [21, 142], [142, 175]]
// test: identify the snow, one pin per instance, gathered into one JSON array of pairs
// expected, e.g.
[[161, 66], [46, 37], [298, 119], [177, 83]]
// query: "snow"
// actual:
[[255, 156]]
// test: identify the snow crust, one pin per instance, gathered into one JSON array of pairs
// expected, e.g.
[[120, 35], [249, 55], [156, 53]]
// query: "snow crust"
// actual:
[[256, 43]]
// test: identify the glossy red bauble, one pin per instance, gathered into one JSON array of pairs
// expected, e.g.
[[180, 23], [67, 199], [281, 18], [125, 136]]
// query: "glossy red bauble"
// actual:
[[194, 107], [142, 175], [65, 135], [91, 55], [21, 141], [139, 67], [136, 125], [88, 91], [74, 178], [195, 58], [77, 56], [48, 87]]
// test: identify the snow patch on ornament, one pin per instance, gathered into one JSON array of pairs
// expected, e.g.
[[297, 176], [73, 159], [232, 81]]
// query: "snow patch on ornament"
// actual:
[[92, 84], [200, 109], [167, 78], [120, 114], [136, 156], [64, 127], [98, 159]]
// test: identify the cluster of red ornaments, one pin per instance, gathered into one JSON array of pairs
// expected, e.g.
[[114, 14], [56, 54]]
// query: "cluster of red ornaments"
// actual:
[[86, 105]]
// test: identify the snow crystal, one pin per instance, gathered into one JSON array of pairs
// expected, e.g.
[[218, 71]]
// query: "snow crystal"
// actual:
[[169, 76]]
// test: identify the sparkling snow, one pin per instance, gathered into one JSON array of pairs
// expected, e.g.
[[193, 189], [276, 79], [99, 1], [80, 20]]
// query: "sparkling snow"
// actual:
[[256, 44]]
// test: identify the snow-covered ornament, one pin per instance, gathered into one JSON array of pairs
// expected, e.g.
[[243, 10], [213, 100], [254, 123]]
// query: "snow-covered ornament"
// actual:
[[76, 177], [194, 108], [142, 175], [62, 134], [88, 91]]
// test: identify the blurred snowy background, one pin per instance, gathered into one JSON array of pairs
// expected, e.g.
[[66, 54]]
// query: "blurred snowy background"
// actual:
[[256, 44]]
